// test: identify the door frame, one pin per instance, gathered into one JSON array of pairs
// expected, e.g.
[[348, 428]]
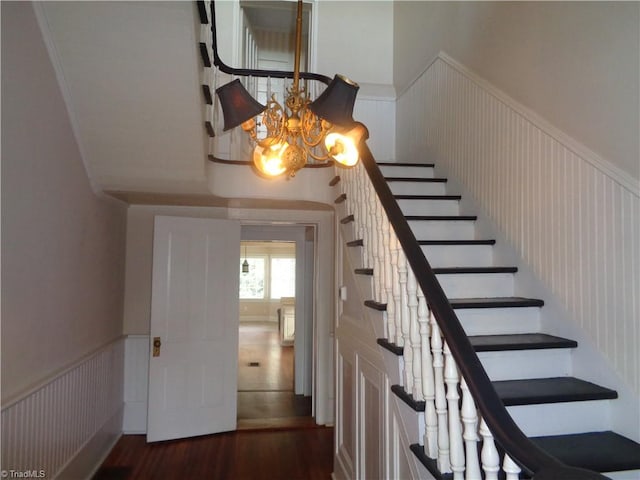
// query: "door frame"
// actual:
[[304, 311], [139, 247], [323, 219]]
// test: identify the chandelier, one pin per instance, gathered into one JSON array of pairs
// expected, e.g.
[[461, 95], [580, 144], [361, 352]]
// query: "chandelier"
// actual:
[[322, 130]]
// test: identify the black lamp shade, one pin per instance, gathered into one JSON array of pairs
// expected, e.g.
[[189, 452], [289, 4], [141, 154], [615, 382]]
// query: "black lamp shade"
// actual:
[[237, 104], [336, 103]]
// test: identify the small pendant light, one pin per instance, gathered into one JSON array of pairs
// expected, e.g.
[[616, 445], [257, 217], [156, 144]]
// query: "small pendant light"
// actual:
[[245, 264]]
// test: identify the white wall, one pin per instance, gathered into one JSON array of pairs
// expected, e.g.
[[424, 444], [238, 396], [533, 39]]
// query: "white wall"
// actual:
[[62, 247], [574, 63], [355, 38], [62, 275]]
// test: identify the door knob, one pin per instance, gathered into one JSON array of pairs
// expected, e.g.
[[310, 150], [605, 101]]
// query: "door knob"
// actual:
[[156, 346]]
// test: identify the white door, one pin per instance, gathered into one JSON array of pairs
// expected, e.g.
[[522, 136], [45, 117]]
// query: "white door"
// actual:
[[194, 326]]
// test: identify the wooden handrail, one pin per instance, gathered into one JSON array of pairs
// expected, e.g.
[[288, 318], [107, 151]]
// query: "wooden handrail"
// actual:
[[533, 460]]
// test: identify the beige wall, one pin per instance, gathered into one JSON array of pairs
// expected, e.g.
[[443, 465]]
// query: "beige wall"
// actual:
[[62, 247], [576, 64]]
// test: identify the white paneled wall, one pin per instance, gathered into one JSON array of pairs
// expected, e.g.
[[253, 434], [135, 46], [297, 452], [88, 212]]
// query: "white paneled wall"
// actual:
[[49, 428], [573, 216], [377, 113]]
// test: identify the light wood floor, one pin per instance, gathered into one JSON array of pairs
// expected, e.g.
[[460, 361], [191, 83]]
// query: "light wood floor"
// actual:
[[266, 395]]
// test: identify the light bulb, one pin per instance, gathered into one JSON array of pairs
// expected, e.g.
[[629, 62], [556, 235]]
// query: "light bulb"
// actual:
[[268, 159], [342, 149]]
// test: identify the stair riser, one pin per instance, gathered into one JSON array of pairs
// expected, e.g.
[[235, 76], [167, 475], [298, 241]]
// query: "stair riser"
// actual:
[[429, 207], [562, 418], [510, 365], [458, 255], [418, 188], [495, 321], [628, 475], [443, 229], [471, 285], [404, 171]]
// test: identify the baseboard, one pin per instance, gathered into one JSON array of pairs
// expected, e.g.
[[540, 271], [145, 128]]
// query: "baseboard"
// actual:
[[86, 462]]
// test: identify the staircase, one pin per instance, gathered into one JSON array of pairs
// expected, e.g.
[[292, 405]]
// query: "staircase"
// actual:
[[530, 369]]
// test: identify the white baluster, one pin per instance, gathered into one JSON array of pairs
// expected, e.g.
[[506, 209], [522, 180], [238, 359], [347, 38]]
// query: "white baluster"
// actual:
[[380, 296], [441, 401], [489, 455], [456, 445], [366, 209], [357, 212], [375, 250], [414, 335], [388, 279], [511, 468], [395, 285], [470, 435], [406, 322], [428, 386]]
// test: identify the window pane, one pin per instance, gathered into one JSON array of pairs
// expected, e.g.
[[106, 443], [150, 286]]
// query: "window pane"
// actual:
[[283, 277], [252, 283]]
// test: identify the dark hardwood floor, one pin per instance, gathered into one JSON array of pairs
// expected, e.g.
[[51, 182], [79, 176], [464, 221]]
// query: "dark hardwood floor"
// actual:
[[277, 439], [252, 455]]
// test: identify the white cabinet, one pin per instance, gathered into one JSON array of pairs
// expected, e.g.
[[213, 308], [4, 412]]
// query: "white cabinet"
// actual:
[[287, 320]]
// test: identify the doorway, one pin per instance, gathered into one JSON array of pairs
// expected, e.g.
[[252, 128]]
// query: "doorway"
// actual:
[[275, 322]]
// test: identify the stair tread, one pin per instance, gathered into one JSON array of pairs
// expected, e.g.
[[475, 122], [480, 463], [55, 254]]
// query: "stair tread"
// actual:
[[550, 390], [436, 218], [405, 196], [495, 302], [381, 307], [461, 270], [415, 179], [457, 242], [519, 341], [363, 271], [499, 343], [601, 451], [405, 164]]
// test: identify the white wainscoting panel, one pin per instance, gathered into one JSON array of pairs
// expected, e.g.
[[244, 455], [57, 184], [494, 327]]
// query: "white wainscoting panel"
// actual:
[[136, 383], [378, 114], [573, 216], [345, 415], [372, 390], [65, 424]]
